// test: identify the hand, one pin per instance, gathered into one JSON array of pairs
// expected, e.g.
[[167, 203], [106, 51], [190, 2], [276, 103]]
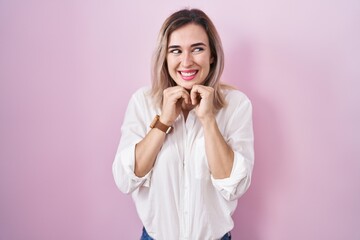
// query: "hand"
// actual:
[[203, 98], [173, 98]]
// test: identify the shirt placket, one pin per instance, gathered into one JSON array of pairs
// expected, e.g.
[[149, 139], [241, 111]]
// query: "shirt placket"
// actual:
[[186, 178]]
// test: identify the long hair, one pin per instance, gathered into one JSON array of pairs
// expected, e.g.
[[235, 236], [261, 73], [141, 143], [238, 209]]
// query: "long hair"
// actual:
[[161, 78]]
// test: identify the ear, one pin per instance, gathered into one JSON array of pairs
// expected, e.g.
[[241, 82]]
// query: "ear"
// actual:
[[211, 60]]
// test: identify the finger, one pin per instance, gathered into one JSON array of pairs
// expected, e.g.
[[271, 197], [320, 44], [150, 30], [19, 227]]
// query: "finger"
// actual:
[[181, 94], [171, 90], [186, 97], [194, 94]]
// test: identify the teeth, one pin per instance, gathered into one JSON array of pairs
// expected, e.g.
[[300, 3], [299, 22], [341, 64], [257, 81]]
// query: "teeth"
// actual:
[[188, 74]]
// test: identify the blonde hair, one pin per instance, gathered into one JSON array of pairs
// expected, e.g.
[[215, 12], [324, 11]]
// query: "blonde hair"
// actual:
[[160, 75]]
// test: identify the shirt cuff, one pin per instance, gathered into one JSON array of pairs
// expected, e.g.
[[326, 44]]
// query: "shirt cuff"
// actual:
[[128, 161], [228, 186]]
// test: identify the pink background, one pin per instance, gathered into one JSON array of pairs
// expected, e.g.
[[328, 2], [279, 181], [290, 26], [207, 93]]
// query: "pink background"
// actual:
[[68, 68]]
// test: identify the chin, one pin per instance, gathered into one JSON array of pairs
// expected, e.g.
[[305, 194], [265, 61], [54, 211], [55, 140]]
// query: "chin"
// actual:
[[187, 86]]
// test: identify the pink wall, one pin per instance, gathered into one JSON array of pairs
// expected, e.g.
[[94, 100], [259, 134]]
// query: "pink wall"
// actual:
[[67, 69]]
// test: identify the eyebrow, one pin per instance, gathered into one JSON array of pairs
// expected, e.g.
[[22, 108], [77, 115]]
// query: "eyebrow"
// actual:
[[192, 45]]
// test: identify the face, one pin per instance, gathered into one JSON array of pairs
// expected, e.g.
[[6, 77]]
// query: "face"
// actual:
[[188, 56]]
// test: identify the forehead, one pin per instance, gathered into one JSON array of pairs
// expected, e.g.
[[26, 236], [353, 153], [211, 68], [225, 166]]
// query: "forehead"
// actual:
[[188, 34]]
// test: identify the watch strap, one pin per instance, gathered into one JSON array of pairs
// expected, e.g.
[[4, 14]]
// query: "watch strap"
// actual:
[[159, 125]]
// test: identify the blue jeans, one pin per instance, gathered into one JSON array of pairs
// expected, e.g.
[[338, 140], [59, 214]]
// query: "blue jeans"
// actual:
[[145, 236]]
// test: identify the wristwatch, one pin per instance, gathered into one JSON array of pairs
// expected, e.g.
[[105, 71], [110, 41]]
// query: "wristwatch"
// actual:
[[159, 125]]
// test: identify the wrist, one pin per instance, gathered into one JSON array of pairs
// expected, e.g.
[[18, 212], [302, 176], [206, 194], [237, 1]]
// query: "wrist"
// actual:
[[156, 123], [208, 121], [165, 120]]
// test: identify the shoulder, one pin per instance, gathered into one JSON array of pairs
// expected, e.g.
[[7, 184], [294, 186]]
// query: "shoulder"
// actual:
[[234, 97], [238, 108], [142, 97], [236, 112], [143, 92]]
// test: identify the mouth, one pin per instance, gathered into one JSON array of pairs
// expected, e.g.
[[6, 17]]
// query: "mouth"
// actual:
[[188, 75]]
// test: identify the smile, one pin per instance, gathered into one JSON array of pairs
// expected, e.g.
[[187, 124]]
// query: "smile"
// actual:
[[188, 75]]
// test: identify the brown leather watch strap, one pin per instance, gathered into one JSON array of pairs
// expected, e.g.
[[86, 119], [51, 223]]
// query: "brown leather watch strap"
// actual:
[[159, 125]]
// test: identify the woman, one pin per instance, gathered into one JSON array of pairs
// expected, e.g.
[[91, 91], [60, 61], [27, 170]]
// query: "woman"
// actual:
[[186, 151]]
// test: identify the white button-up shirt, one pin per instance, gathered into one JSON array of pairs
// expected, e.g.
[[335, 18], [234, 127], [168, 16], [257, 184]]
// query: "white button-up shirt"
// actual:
[[179, 198]]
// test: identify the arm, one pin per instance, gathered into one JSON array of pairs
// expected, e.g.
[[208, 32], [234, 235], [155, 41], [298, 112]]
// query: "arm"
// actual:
[[230, 156], [239, 136], [219, 155], [139, 147], [133, 130], [148, 148]]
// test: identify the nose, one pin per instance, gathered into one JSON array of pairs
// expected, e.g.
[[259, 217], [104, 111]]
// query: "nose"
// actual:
[[187, 60]]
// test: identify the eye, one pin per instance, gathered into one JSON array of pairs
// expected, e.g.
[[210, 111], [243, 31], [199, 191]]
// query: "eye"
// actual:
[[198, 49], [175, 51]]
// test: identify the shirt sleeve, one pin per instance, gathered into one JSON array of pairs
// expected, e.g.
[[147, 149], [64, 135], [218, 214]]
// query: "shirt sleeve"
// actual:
[[240, 137], [133, 130]]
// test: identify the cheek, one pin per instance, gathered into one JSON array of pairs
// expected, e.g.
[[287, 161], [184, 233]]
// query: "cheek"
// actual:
[[206, 63], [170, 64], [205, 60], [171, 68]]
